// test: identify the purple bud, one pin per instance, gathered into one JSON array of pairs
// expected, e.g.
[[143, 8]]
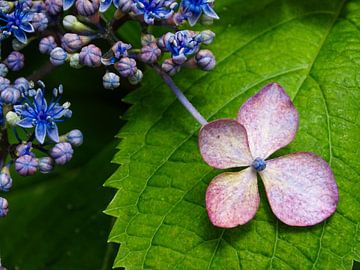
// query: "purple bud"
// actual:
[[75, 138], [147, 39], [207, 37], [111, 80], [90, 56], [58, 56], [4, 83], [170, 67], [5, 180], [46, 164], [205, 60], [3, 70], [71, 42], [15, 61], [126, 67], [54, 7], [120, 49], [39, 21], [4, 207], [26, 165], [149, 54], [47, 44], [10, 95], [61, 153], [22, 84], [87, 7]]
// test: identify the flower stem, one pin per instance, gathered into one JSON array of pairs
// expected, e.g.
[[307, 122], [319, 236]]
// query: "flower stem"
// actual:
[[180, 96]]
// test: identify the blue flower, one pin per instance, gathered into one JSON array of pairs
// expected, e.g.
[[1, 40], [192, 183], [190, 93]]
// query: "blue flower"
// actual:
[[194, 8], [17, 22], [105, 4], [182, 44], [154, 9], [43, 116]]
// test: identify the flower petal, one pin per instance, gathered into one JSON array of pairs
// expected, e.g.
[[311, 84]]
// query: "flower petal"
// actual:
[[25, 123], [20, 36], [270, 120], [40, 132], [53, 133], [209, 11], [232, 199], [223, 144], [67, 4], [104, 5], [301, 189]]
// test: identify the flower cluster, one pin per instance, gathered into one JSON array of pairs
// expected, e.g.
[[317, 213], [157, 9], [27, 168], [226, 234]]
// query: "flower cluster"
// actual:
[[26, 112], [73, 32]]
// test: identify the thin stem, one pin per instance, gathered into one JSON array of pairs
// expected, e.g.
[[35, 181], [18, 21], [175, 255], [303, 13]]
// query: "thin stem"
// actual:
[[180, 96]]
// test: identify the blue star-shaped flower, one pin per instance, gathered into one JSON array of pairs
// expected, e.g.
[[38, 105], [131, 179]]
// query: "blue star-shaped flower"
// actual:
[[194, 8], [182, 44], [42, 116], [154, 9], [17, 22]]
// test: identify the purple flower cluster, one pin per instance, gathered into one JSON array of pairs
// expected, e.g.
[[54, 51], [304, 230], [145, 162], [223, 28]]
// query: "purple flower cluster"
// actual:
[[73, 32], [41, 148]]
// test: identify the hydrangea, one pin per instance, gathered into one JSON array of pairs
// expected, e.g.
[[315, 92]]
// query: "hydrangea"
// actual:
[[300, 187], [43, 116], [18, 22]]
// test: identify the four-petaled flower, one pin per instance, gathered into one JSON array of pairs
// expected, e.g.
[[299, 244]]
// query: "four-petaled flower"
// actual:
[[194, 8], [154, 9], [17, 22], [42, 116], [300, 187]]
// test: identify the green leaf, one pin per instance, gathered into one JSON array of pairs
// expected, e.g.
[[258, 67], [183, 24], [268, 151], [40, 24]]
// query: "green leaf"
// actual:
[[55, 220], [312, 48]]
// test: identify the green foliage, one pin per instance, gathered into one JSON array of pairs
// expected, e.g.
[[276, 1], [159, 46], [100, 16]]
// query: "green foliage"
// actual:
[[312, 48]]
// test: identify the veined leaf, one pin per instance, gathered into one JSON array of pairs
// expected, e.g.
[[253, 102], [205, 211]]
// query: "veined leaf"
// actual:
[[312, 48]]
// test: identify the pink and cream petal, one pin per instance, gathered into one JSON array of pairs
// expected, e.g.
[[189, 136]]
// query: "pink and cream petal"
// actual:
[[223, 144], [232, 198], [301, 189], [270, 119]]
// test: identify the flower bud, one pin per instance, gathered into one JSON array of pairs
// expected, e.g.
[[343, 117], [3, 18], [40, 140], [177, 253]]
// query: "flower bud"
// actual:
[[75, 138], [125, 5], [4, 207], [71, 23], [120, 49], [4, 83], [18, 45], [170, 67], [75, 61], [58, 56], [90, 56], [126, 67], [46, 164], [10, 95], [147, 39], [12, 118], [150, 53], [54, 7], [111, 80], [39, 22], [5, 7], [47, 44], [71, 42], [61, 153], [3, 70], [136, 78], [26, 165], [5, 179], [207, 37], [15, 61], [205, 60], [87, 7], [22, 84]]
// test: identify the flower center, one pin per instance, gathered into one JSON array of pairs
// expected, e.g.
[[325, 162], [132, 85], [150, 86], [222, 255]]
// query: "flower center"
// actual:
[[259, 164]]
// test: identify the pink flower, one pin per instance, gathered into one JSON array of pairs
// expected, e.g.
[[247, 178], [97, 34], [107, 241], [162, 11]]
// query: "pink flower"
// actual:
[[300, 187]]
